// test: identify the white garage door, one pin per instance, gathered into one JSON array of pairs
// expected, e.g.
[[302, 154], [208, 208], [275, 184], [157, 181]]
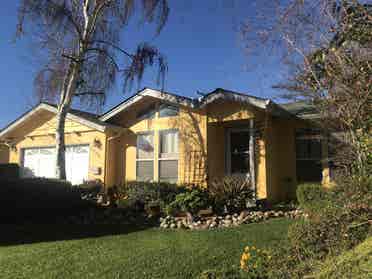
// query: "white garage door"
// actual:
[[40, 162]]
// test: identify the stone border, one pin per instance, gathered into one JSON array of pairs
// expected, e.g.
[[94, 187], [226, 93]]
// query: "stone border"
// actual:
[[227, 221]]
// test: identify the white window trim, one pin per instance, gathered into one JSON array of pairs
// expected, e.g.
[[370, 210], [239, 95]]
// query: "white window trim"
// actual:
[[146, 159]]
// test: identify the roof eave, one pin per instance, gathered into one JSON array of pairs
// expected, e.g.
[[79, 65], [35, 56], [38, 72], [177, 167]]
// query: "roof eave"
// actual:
[[43, 106], [262, 104]]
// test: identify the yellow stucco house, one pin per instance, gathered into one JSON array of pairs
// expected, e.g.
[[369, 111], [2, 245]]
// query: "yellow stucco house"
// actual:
[[161, 136]]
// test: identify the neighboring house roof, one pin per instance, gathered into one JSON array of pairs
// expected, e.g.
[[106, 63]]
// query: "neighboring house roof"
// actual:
[[84, 118], [301, 109]]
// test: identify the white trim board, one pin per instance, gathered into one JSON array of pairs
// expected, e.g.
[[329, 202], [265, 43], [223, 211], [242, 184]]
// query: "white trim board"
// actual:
[[47, 107]]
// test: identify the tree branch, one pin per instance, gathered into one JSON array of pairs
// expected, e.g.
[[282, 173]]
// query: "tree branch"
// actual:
[[107, 55], [131, 56], [72, 58], [95, 15], [69, 16], [92, 93]]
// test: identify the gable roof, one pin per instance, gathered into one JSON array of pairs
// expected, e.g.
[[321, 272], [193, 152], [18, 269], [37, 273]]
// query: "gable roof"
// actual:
[[88, 119], [147, 92], [217, 94], [224, 94]]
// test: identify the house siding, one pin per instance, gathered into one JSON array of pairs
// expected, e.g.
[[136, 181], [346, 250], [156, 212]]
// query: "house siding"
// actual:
[[192, 129], [4, 154], [282, 171]]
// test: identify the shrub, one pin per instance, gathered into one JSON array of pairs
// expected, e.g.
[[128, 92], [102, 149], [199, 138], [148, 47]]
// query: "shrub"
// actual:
[[143, 194], [337, 223], [312, 197], [9, 171], [191, 201], [285, 264], [231, 194], [37, 199], [351, 264], [340, 225]]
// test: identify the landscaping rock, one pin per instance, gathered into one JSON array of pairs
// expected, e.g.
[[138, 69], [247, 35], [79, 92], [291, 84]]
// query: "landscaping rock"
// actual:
[[202, 223]]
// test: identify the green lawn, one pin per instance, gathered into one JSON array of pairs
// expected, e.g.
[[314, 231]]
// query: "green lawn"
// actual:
[[149, 253]]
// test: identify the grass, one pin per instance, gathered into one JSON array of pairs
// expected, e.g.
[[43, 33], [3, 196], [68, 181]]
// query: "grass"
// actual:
[[150, 253]]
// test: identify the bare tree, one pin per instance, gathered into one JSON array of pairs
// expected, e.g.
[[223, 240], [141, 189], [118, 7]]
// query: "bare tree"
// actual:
[[80, 42], [327, 45]]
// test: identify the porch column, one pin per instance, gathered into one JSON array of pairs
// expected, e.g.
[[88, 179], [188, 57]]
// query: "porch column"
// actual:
[[251, 155]]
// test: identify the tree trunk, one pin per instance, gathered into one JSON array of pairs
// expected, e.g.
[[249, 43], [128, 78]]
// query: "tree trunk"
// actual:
[[60, 142], [63, 109]]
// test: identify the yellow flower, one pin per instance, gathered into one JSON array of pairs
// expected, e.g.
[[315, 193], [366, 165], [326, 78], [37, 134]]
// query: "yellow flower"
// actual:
[[246, 248], [243, 265], [246, 256], [253, 248]]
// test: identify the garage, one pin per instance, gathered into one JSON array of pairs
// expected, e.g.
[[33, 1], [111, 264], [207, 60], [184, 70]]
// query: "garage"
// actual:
[[40, 162]]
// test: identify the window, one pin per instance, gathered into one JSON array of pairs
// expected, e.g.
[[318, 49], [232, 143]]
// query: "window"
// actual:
[[168, 156], [145, 157], [308, 155], [166, 110], [148, 113], [308, 145]]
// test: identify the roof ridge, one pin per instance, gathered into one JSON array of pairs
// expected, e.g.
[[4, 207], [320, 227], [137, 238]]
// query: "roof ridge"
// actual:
[[235, 92], [96, 115]]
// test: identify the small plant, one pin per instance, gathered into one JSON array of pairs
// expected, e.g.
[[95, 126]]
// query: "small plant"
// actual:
[[231, 194], [254, 262], [191, 201]]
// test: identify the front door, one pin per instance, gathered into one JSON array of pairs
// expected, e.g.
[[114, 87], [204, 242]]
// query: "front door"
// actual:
[[237, 152]]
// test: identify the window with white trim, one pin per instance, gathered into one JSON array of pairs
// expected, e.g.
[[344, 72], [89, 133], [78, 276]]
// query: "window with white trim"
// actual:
[[168, 155], [145, 157]]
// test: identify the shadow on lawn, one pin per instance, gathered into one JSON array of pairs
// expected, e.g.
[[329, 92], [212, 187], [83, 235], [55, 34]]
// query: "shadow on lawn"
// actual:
[[38, 210], [27, 234]]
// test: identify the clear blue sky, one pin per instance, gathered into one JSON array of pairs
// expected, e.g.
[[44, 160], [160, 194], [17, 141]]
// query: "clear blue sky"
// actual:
[[200, 41]]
